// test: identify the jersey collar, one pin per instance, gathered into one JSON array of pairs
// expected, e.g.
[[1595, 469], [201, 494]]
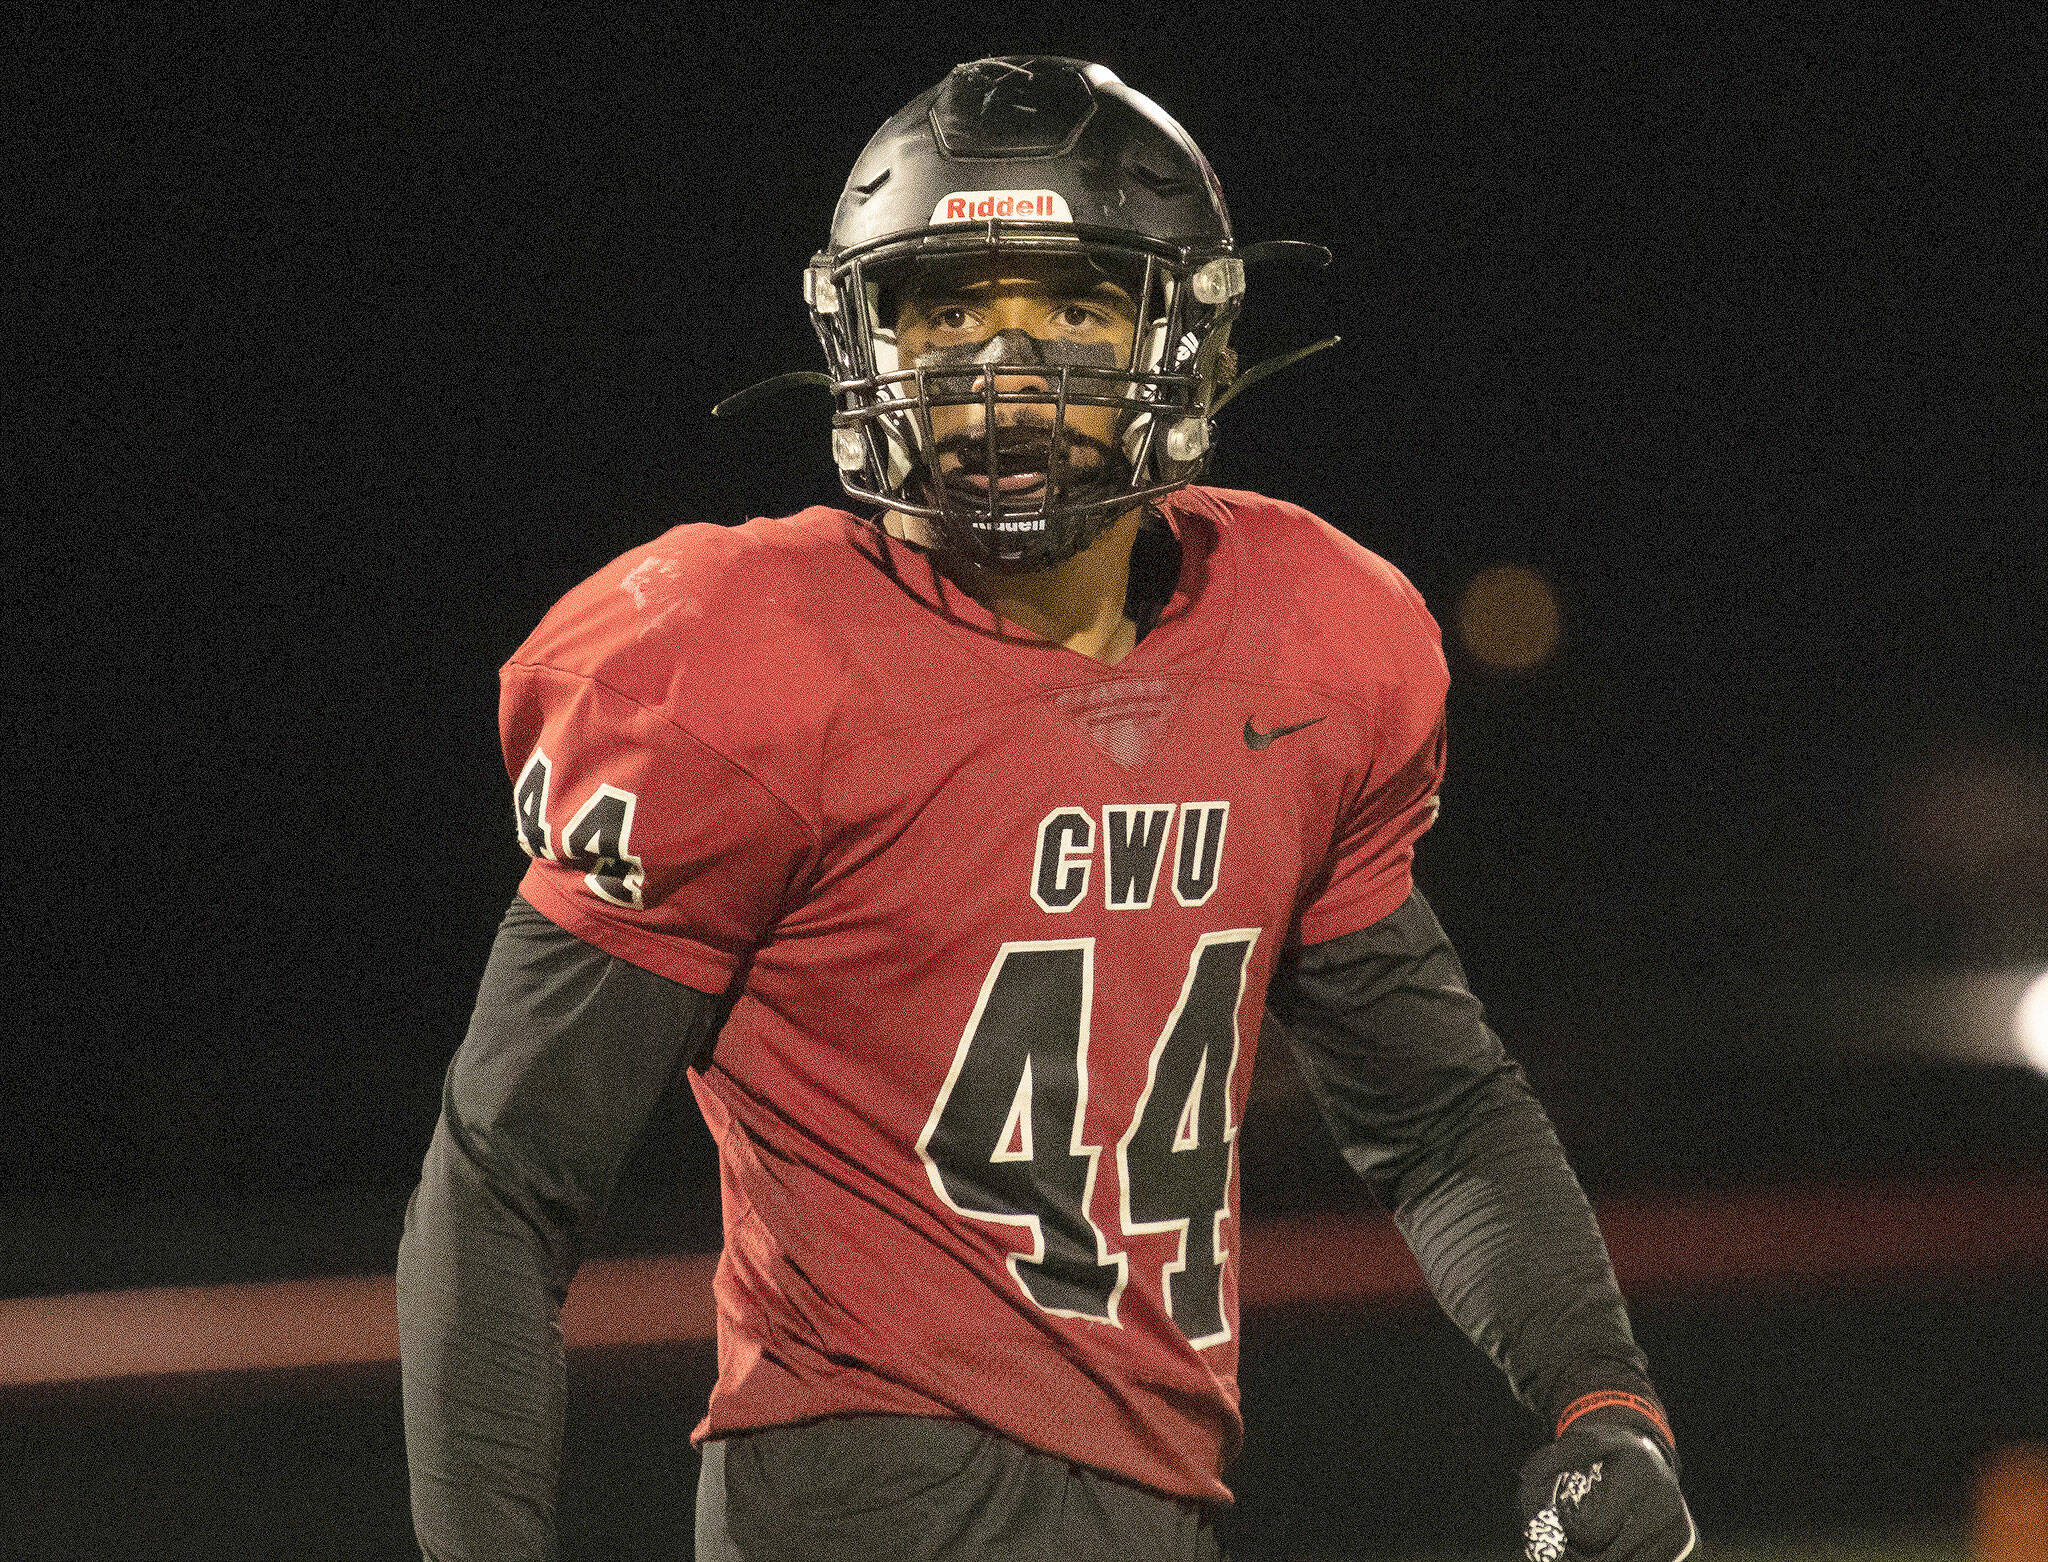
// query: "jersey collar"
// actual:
[[1188, 630]]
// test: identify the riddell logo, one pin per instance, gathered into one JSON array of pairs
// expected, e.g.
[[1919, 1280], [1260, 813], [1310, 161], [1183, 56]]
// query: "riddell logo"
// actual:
[[1016, 205]]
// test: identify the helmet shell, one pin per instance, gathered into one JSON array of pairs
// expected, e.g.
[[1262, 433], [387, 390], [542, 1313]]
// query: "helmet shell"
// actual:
[[1117, 160], [1072, 163]]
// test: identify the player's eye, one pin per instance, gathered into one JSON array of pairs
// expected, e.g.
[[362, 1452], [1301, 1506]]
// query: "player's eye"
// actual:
[[1078, 317], [951, 318]]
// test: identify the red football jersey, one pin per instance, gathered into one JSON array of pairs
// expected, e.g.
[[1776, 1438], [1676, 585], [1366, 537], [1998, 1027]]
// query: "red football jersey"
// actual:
[[998, 920]]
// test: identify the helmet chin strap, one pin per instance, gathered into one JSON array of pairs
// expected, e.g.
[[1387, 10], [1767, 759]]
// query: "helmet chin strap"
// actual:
[[924, 535]]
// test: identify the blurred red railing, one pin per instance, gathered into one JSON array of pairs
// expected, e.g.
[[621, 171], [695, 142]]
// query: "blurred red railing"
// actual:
[[1753, 1241]]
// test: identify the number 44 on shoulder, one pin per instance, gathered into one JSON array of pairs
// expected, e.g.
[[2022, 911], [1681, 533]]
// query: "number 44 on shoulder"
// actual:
[[597, 839]]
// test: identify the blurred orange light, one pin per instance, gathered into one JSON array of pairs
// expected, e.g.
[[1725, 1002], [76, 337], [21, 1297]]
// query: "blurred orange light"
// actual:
[[1509, 618], [2012, 1505]]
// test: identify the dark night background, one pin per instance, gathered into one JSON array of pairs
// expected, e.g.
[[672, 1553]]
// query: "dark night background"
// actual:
[[343, 348]]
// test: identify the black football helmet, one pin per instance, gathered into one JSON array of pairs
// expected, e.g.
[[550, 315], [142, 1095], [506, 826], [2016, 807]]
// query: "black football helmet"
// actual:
[[1043, 157]]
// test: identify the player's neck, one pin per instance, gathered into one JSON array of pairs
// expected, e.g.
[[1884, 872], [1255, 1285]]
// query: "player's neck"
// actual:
[[1078, 603]]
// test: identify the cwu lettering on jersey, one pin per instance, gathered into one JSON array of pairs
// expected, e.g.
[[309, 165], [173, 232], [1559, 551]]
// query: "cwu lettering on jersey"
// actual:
[[1128, 852]]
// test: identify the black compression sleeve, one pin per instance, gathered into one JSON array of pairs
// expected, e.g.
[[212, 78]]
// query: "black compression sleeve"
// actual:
[[1428, 1108], [567, 1054]]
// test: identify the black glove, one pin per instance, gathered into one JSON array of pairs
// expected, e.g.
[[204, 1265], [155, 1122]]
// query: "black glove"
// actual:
[[1607, 1489]]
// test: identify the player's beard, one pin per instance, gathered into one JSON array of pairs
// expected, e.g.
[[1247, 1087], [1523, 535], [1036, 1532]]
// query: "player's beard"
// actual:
[[1029, 456], [1030, 459]]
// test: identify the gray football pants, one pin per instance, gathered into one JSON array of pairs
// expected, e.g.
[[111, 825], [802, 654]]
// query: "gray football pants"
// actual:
[[918, 1489]]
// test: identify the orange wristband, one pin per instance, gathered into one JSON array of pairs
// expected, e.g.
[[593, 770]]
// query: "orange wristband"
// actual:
[[1610, 1399]]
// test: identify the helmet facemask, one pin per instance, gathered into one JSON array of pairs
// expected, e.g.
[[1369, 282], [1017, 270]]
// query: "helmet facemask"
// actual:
[[1021, 485]]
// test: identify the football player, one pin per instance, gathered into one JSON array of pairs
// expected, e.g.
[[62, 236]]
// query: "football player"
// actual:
[[952, 847]]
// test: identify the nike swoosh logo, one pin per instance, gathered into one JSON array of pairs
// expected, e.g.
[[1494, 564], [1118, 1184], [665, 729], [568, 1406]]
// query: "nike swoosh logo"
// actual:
[[1255, 739]]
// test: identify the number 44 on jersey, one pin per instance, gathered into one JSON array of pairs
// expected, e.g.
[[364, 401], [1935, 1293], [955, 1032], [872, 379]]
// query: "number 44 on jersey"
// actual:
[[1005, 1141]]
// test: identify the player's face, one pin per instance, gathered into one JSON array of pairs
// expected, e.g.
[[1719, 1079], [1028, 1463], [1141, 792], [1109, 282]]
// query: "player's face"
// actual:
[[1018, 319]]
